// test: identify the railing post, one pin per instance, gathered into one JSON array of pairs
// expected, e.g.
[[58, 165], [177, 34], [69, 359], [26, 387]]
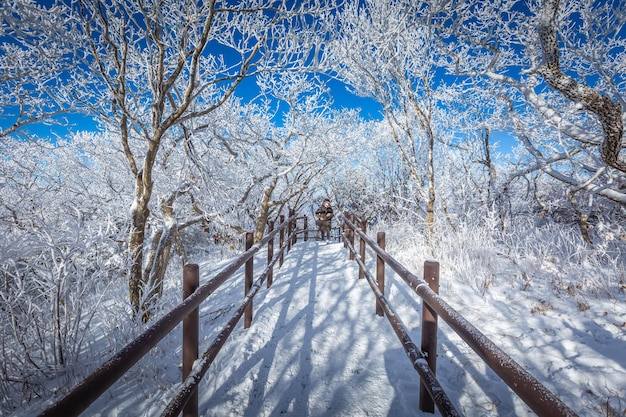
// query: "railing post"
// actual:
[[191, 281], [346, 230], [281, 241], [429, 333], [363, 225], [380, 271], [306, 229], [270, 255], [351, 236], [249, 277], [294, 227], [288, 235]]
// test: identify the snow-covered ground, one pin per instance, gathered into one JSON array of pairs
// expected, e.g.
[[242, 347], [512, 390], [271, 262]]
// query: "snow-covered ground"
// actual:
[[316, 348]]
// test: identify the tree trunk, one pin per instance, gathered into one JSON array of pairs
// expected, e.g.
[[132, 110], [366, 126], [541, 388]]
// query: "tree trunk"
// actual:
[[609, 113], [158, 258], [430, 204], [137, 236], [156, 267], [140, 213], [583, 224], [490, 167], [266, 204]]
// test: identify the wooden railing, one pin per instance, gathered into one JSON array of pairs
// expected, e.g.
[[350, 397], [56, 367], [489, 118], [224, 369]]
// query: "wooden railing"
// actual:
[[88, 390], [185, 400], [531, 391]]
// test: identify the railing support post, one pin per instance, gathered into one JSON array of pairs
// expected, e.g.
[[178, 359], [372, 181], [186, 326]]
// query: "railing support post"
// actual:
[[346, 230], [249, 277], [380, 271], [294, 227], [191, 281], [363, 224], [270, 255], [429, 333], [281, 241], [351, 237]]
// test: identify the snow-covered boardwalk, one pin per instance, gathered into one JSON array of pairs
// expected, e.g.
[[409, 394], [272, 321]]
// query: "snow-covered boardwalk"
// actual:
[[315, 348]]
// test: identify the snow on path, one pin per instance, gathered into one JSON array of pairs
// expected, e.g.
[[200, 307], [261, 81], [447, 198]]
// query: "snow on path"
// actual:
[[315, 348]]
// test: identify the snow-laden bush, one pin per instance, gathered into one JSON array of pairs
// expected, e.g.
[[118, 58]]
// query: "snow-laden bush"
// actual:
[[62, 265], [557, 252], [479, 252], [55, 286]]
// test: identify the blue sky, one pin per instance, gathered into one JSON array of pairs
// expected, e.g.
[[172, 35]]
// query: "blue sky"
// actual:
[[343, 98]]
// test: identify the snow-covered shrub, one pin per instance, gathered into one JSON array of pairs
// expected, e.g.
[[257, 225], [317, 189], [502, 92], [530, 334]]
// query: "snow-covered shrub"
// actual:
[[468, 251], [556, 252], [51, 295], [525, 253], [62, 266]]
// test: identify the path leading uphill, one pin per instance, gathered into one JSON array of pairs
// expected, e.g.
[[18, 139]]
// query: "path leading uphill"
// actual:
[[315, 348]]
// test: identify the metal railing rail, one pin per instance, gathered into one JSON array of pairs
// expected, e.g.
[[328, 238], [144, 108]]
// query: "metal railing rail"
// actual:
[[543, 402], [200, 368], [436, 392], [88, 390]]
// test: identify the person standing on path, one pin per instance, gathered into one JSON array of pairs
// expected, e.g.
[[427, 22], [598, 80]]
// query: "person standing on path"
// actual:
[[324, 213]]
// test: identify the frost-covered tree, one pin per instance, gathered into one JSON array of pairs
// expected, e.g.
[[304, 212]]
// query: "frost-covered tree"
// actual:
[[314, 140], [387, 51], [368, 180], [63, 255], [36, 49], [249, 161], [557, 67], [151, 70]]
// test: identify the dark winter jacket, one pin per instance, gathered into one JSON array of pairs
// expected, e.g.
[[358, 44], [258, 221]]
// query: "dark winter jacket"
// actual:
[[323, 216]]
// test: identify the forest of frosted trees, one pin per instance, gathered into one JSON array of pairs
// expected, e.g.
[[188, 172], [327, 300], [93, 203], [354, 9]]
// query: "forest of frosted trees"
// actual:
[[135, 132]]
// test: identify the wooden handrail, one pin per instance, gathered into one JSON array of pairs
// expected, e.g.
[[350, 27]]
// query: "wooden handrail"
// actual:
[[191, 382], [543, 402], [88, 390], [539, 398], [444, 404]]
